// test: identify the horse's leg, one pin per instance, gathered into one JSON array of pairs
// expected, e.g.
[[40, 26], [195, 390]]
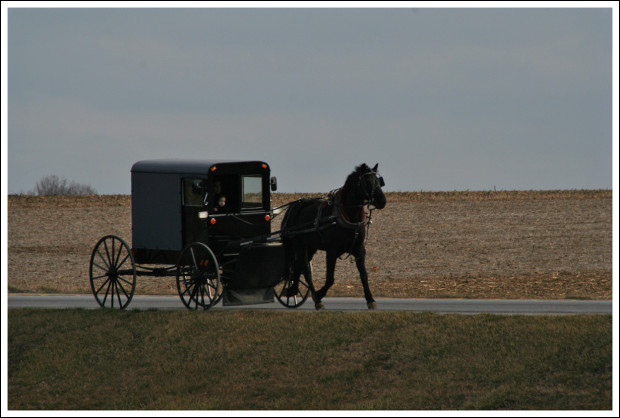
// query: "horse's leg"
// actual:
[[297, 268], [306, 270], [295, 272], [308, 275], [360, 261], [330, 268]]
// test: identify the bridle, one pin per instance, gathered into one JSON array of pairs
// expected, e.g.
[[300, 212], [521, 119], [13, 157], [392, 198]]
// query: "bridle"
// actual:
[[369, 197], [368, 202]]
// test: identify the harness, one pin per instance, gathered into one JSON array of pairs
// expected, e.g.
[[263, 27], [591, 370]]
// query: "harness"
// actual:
[[338, 215], [335, 200], [335, 196]]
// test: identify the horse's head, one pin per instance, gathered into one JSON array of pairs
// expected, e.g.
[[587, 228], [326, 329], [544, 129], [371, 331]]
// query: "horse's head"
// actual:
[[369, 186]]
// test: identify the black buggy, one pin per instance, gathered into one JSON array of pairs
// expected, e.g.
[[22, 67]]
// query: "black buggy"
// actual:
[[207, 223]]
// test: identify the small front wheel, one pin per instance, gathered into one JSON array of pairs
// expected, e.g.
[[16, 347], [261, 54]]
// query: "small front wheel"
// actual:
[[290, 294], [112, 272], [198, 277]]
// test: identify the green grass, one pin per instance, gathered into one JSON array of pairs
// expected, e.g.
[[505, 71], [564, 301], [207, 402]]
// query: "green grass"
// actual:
[[256, 360]]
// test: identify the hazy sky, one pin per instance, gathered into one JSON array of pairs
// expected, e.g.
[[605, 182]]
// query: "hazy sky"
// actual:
[[441, 98]]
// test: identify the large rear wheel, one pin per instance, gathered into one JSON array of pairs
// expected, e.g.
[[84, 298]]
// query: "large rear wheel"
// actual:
[[112, 272], [198, 277]]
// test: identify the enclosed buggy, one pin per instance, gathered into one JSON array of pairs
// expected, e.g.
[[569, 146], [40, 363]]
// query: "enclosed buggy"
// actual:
[[175, 203], [208, 222]]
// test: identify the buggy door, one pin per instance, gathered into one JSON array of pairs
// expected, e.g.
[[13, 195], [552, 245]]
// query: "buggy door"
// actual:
[[194, 195]]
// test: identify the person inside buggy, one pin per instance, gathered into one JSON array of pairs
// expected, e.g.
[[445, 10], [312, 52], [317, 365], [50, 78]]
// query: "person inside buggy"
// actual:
[[219, 203], [223, 195]]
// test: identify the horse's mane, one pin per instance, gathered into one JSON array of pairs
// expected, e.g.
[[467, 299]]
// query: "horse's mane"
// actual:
[[352, 178]]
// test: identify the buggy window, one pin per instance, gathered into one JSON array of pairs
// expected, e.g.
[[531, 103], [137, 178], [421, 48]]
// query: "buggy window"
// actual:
[[252, 192], [194, 191]]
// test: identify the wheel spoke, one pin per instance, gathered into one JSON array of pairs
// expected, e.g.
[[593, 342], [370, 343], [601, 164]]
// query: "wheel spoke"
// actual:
[[187, 289], [211, 285], [118, 257], [106, 262], [113, 253], [191, 253], [194, 294], [104, 283], [121, 278], [99, 277], [284, 289], [124, 260], [205, 291], [107, 251], [112, 297], [118, 295], [107, 292], [101, 267], [120, 285], [210, 290], [186, 283]]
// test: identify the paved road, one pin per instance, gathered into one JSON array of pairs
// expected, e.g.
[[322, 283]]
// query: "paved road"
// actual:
[[460, 306]]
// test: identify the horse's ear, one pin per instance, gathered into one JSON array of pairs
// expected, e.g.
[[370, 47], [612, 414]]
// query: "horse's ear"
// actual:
[[375, 167]]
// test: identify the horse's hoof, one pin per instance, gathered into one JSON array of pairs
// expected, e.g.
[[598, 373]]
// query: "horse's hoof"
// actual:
[[372, 305], [318, 306]]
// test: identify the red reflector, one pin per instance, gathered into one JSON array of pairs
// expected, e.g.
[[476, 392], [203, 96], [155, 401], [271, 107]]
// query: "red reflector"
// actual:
[[213, 221], [267, 217]]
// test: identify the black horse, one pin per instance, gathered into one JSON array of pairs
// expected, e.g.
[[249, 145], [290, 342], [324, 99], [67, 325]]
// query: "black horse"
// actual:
[[336, 225]]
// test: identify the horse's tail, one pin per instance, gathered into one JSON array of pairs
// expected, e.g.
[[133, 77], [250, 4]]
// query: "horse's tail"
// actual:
[[290, 226], [285, 227], [290, 217]]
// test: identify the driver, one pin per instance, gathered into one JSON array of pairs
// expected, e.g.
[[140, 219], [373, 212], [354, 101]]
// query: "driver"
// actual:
[[220, 198], [220, 203]]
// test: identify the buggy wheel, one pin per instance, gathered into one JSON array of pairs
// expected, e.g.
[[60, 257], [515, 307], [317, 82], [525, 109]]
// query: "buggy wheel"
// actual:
[[286, 293], [198, 277], [112, 272]]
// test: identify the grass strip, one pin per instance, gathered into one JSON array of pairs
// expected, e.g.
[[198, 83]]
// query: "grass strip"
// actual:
[[257, 360]]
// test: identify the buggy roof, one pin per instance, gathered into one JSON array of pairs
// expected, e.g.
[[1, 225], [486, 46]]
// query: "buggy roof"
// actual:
[[186, 166]]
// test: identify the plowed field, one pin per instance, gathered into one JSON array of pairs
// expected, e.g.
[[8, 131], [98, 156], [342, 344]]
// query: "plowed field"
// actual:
[[535, 245]]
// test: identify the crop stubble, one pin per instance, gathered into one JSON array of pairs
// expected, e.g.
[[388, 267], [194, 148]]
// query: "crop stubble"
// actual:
[[422, 245]]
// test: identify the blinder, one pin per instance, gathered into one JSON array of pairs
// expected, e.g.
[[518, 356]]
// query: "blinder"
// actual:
[[381, 181]]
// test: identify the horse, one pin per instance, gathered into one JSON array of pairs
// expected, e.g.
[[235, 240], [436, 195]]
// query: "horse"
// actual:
[[336, 225]]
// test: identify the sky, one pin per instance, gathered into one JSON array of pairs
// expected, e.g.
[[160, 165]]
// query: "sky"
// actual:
[[442, 98]]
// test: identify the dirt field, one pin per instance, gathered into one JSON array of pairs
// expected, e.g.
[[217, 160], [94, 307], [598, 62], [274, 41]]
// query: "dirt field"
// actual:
[[531, 245]]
